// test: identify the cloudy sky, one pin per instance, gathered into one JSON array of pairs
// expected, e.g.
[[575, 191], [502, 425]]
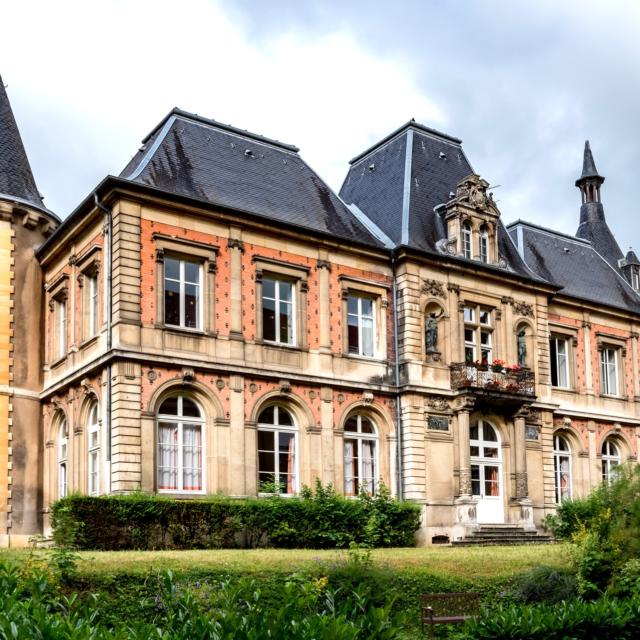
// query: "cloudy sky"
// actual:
[[522, 83]]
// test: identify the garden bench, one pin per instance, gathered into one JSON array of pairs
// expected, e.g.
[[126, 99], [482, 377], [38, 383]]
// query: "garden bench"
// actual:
[[447, 608]]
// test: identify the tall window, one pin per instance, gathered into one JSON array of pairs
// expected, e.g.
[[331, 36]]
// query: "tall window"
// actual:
[[562, 468], [466, 240], [609, 371], [359, 456], [276, 451], [93, 451], [361, 325], [635, 278], [91, 306], [180, 446], [478, 334], [278, 311], [61, 329], [484, 244], [62, 446], [559, 352], [182, 293], [610, 460]]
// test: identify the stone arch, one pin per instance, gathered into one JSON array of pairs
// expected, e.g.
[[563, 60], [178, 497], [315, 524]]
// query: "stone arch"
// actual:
[[620, 439], [526, 325], [196, 390], [496, 421], [373, 411], [301, 412], [572, 436]]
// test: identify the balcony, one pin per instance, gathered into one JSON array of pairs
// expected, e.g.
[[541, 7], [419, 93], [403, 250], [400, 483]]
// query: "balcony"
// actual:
[[494, 381]]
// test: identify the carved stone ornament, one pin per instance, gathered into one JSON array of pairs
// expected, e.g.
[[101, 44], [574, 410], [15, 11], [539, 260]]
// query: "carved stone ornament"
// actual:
[[433, 288], [472, 191], [465, 482], [437, 403], [367, 397], [522, 485], [253, 387], [235, 243], [324, 264], [220, 383], [285, 386], [152, 376], [188, 375], [523, 309]]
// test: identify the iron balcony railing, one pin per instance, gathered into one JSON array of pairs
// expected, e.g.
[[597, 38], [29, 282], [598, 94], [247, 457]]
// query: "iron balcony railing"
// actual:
[[517, 381]]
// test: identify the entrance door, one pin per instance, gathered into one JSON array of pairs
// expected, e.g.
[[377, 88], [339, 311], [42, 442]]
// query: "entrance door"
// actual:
[[486, 472]]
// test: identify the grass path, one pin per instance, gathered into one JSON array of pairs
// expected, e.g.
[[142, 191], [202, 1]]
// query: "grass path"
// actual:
[[472, 562]]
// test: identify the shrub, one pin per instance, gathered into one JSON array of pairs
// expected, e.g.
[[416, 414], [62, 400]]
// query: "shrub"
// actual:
[[605, 619], [544, 584], [316, 520]]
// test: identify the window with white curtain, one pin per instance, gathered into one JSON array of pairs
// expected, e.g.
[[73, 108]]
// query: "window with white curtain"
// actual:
[[62, 446], [277, 471], [609, 371], [484, 244], [278, 311], [93, 450], [182, 293], [180, 446], [466, 240], [559, 353], [360, 456], [611, 459], [91, 294], [562, 468], [361, 325]]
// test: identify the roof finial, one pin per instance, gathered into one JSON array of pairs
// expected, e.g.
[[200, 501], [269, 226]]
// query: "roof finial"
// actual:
[[588, 165]]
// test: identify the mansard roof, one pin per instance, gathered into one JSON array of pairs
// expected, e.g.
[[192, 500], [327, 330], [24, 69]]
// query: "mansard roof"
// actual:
[[200, 158], [575, 265], [16, 178], [399, 182]]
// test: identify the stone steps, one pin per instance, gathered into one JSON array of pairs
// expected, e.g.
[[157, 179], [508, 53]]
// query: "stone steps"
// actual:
[[501, 534]]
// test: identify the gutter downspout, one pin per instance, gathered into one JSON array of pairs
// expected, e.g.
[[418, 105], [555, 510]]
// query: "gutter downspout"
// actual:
[[400, 469], [108, 264]]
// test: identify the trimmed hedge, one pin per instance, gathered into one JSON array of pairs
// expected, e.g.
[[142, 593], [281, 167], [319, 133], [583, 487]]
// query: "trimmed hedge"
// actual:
[[605, 619], [319, 520]]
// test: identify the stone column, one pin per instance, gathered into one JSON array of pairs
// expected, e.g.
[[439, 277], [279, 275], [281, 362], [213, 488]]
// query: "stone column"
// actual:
[[237, 437], [327, 438], [522, 488], [465, 462], [588, 367], [634, 364], [236, 249], [455, 313], [465, 504]]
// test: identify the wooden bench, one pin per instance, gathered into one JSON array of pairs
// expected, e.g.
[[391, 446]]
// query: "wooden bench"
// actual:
[[447, 608]]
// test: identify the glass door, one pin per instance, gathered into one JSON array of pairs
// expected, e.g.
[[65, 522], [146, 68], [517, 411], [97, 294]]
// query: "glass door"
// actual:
[[486, 472]]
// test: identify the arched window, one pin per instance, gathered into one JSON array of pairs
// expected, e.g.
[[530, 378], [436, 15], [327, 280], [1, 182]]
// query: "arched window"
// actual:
[[93, 450], [466, 240], [484, 244], [276, 451], [180, 446], [610, 460], [360, 456], [62, 446], [562, 468]]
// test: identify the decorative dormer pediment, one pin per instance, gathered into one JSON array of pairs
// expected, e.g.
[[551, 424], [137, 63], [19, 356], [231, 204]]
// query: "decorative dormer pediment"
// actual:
[[471, 217]]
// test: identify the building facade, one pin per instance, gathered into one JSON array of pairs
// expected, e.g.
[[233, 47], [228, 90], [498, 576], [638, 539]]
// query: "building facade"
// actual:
[[216, 319]]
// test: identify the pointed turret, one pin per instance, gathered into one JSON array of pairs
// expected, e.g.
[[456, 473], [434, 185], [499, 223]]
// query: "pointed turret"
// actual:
[[16, 179], [593, 224]]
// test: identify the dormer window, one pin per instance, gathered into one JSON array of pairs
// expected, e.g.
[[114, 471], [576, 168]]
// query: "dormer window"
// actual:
[[635, 278], [466, 240], [484, 244]]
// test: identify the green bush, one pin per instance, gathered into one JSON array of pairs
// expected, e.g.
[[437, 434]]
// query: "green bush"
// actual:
[[605, 619], [544, 584], [316, 520]]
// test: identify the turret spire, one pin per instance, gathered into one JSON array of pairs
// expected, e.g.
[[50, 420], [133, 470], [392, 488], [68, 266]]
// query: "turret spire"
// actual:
[[593, 225], [16, 179]]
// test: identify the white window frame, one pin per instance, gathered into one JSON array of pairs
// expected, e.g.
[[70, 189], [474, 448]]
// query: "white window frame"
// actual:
[[610, 460], [92, 299], [63, 459], [182, 282], [467, 240], [484, 245], [561, 340], [609, 384], [360, 316], [179, 420], [559, 455], [359, 436], [472, 315], [61, 338], [635, 278], [293, 313], [93, 450], [277, 429]]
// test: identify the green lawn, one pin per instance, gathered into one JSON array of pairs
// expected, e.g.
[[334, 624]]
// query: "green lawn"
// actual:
[[465, 563]]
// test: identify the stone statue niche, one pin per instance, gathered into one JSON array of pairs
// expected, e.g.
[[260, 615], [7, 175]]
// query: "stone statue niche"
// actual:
[[522, 347], [433, 313]]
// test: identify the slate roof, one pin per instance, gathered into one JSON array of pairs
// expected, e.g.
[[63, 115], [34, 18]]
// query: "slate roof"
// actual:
[[219, 164], [588, 165], [399, 181], [16, 179], [575, 265]]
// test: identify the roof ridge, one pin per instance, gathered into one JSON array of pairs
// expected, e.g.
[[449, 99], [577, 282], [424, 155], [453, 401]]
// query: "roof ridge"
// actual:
[[188, 115], [411, 124], [548, 231]]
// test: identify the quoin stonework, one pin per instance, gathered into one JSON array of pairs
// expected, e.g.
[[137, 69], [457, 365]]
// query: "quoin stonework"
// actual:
[[217, 319]]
